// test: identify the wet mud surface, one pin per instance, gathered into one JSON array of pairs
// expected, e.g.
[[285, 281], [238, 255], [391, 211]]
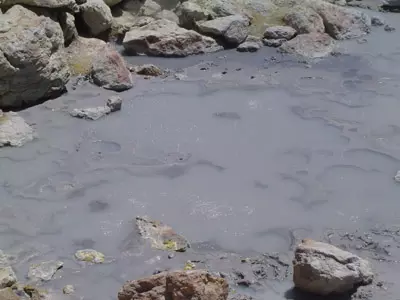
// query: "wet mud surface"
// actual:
[[245, 155]]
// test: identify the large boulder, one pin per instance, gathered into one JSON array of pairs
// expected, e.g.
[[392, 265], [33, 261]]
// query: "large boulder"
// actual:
[[97, 16], [189, 13], [310, 45], [166, 38], [324, 269], [232, 29], [59, 4], [109, 70], [80, 54], [32, 59], [342, 23], [178, 285], [304, 20]]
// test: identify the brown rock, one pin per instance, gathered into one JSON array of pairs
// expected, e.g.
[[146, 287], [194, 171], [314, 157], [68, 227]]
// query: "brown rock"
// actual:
[[304, 20], [310, 45], [178, 285]]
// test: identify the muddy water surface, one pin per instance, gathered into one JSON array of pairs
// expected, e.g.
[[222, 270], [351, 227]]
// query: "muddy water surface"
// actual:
[[246, 155]]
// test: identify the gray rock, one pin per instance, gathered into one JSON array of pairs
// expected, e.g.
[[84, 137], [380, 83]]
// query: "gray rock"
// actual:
[[114, 103], [342, 23], [67, 22], [109, 70], [167, 15], [112, 3], [149, 8], [70, 5], [304, 20], [14, 131], [389, 28], [397, 176], [44, 271], [189, 13], [90, 255], [273, 43], [161, 236], [197, 284], [68, 289], [233, 29], [310, 45], [7, 277], [251, 44], [32, 62], [97, 16], [377, 21], [279, 32], [90, 113], [167, 39], [324, 269], [147, 70]]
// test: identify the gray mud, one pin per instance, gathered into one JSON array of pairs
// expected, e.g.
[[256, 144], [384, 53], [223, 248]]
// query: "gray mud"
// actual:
[[244, 156]]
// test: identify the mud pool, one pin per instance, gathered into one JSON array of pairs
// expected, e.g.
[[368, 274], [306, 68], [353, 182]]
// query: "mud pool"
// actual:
[[246, 155]]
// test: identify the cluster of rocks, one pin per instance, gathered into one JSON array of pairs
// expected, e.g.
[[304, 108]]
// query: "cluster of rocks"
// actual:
[[42, 44]]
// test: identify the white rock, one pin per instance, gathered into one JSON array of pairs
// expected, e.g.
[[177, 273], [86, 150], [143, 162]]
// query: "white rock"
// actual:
[[14, 131], [324, 269]]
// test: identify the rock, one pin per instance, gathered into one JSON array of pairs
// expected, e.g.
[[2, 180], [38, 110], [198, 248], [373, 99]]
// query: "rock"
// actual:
[[109, 70], [90, 255], [68, 289], [397, 176], [148, 70], [36, 294], [44, 271], [67, 22], [70, 5], [167, 15], [279, 32], [7, 277], [189, 13], [124, 21], [32, 63], [160, 235], [377, 21], [342, 23], [114, 103], [14, 131], [233, 29], [90, 113], [178, 285], [189, 266], [149, 8], [97, 16], [273, 43], [304, 20], [251, 44], [112, 3], [80, 54], [8, 294], [5, 259], [310, 45], [324, 269], [389, 28], [165, 38]]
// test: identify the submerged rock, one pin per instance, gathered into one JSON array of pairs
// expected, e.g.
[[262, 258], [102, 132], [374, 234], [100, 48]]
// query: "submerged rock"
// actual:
[[397, 176], [161, 236], [14, 131], [389, 28], [32, 63], [198, 284], [44, 271], [90, 255], [325, 269], [377, 21], [166, 38], [232, 29], [90, 113], [310, 45], [7, 277], [251, 44], [109, 70], [147, 70], [68, 289], [279, 32]]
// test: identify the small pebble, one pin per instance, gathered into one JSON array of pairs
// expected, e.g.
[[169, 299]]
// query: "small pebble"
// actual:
[[68, 289], [171, 255], [114, 103], [389, 28]]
